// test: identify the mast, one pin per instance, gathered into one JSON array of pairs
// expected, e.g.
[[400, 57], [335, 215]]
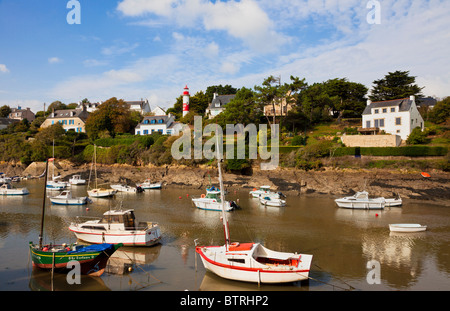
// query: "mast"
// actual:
[[41, 234], [222, 197]]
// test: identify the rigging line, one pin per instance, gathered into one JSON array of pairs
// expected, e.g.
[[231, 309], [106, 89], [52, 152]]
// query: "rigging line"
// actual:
[[326, 283], [351, 287]]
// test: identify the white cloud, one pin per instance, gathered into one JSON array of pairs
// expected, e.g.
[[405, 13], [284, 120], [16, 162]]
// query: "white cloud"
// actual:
[[3, 68], [54, 60], [243, 20], [119, 48]]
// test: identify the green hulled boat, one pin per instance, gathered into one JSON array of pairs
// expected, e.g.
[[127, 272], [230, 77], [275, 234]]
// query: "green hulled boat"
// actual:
[[92, 258], [59, 258]]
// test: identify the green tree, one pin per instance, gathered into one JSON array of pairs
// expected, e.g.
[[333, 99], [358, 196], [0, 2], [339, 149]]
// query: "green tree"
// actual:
[[4, 111], [416, 137], [112, 117], [351, 99], [56, 105], [395, 85], [441, 112], [220, 90]]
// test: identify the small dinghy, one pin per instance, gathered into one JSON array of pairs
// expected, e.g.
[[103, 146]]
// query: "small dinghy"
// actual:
[[66, 198], [407, 227]]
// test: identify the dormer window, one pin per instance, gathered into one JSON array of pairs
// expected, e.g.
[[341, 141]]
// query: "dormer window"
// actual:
[[376, 111], [160, 121], [152, 121]]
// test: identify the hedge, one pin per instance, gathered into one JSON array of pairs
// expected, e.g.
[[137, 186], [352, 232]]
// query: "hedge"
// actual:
[[407, 151], [109, 142]]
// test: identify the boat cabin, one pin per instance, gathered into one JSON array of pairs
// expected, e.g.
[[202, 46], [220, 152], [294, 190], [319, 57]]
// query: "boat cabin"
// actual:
[[125, 218]]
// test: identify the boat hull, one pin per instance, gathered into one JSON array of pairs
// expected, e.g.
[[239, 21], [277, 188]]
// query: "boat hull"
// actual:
[[127, 238], [272, 202], [91, 263], [360, 204], [407, 228], [209, 205], [81, 201], [101, 193], [14, 192], [252, 271]]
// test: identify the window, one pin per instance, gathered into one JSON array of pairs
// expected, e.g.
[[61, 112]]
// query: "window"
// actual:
[[367, 124], [160, 121], [384, 110], [398, 121], [152, 121], [138, 133], [376, 110], [145, 132], [146, 121], [379, 122], [393, 109]]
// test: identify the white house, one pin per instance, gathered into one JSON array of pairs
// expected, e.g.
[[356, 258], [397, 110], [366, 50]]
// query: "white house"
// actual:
[[218, 105], [397, 116], [141, 106], [164, 124]]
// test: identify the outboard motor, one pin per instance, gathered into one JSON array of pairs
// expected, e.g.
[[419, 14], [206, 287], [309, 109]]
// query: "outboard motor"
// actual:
[[234, 205], [281, 194], [139, 189]]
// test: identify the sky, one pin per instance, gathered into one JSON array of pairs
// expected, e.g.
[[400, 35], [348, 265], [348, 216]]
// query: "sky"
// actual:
[[151, 49]]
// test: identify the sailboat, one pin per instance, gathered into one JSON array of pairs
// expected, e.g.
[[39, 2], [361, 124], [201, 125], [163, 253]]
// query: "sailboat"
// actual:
[[55, 184], [60, 258], [98, 192], [251, 262]]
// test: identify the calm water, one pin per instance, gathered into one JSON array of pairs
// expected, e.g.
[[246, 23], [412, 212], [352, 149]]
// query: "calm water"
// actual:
[[341, 240]]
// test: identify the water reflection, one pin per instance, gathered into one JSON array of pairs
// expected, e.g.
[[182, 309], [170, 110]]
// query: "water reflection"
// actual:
[[42, 281]]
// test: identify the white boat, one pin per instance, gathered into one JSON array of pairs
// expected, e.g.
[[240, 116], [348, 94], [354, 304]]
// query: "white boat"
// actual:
[[101, 192], [98, 192], [4, 178], [407, 227], [126, 188], [8, 189], [117, 226], [252, 262], [66, 198], [212, 202], [148, 184], [271, 201], [56, 185], [361, 200], [264, 190], [77, 180]]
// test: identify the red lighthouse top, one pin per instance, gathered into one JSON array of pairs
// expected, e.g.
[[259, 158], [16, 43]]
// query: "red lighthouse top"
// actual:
[[186, 90]]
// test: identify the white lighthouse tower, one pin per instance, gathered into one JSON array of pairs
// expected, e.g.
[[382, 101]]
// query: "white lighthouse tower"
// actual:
[[185, 101]]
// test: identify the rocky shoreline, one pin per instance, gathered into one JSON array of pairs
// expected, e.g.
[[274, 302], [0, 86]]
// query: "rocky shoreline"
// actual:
[[331, 182]]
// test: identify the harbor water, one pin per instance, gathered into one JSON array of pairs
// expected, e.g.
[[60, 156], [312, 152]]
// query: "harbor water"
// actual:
[[352, 249]]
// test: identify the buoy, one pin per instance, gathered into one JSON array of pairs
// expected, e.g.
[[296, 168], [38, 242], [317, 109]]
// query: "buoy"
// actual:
[[87, 209], [187, 194], [376, 215], [179, 197]]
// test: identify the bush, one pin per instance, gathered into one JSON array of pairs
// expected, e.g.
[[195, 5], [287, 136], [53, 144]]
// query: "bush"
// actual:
[[417, 137], [298, 141]]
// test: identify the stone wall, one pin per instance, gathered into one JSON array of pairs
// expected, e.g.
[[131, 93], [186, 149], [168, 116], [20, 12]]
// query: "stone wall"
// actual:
[[371, 140]]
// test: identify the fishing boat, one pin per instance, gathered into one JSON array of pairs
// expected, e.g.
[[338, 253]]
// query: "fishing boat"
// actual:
[[265, 191], [126, 188], [66, 198], [252, 262], [77, 180], [271, 201], [407, 227], [361, 200], [56, 184], [212, 202], [97, 192], [60, 258], [212, 189], [8, 189], [148, 184], [117, 226]]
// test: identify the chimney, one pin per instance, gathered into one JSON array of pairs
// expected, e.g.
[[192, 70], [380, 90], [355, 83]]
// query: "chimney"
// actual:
[[412, 98], [215, 95], [369, 102]]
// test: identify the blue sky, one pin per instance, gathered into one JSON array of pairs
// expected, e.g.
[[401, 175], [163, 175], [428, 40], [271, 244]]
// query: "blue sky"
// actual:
[[135, 49]]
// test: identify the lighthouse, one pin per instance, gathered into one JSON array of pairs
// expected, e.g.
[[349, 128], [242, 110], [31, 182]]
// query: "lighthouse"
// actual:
[[185, 101]]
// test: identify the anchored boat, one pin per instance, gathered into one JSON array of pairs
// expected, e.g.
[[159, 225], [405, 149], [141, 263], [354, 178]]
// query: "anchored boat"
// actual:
[[252, 262], [117, 226]]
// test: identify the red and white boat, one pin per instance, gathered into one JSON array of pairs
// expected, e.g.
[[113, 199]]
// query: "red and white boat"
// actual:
[[252, 262]]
